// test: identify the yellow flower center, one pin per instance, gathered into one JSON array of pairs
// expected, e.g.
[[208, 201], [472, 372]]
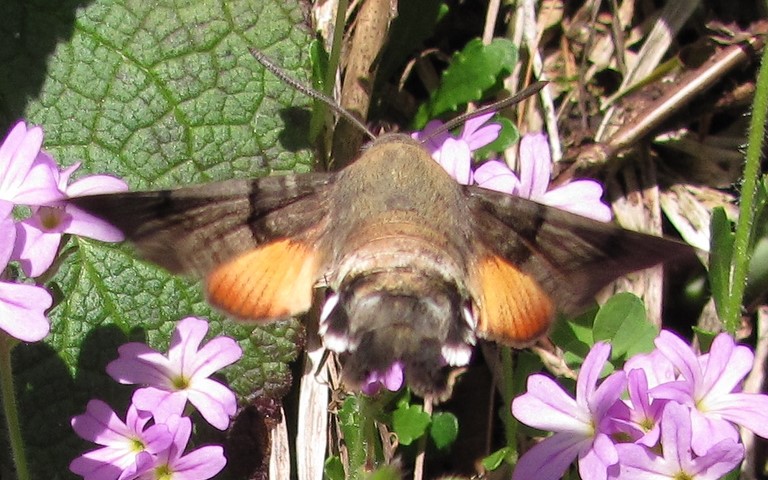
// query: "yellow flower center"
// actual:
[[50, 217]]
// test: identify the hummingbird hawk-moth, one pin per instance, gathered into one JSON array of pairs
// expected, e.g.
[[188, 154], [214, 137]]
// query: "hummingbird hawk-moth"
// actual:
[[416, 267]]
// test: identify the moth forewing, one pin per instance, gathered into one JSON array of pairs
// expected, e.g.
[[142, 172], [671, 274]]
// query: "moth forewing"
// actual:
[[233, 234]]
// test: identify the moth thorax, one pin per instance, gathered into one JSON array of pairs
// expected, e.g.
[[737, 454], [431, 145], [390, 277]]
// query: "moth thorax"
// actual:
[[402, 315]]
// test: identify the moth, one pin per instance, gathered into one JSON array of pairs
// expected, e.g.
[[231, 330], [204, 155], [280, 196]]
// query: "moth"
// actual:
[[416, 267]]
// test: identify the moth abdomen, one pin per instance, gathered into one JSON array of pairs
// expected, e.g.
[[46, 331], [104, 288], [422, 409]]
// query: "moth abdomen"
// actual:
[[412, 317]]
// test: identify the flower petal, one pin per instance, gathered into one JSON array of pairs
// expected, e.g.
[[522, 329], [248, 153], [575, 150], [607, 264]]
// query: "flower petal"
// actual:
[[200, 464], [215, 355], [162, 403], [86, 225], [496, 175], [139, 364], [546, 406], [455, 158], [535, 165], [582, 197], [590, 372], [185, 341], [215, 402], [22, 311], [550, 458], [35, 249]]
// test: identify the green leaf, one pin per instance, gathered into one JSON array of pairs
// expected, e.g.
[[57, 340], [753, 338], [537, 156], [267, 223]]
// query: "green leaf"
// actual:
[[705, 338], [444, 429], [508, 136], [410, 423], [622, 322], [757, 279], [333, 469], [473, 72], [161, 93], [386, 472], [574, 336], [494, 460], [721, 252], [350, 419]]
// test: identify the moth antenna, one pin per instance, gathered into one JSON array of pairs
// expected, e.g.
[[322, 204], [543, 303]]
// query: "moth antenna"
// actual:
[[531, 89], [309, 91]]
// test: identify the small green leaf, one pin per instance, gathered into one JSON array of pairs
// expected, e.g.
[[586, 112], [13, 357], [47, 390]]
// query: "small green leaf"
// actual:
[[721, 252], [508, 135], [574, 335], [350, 420], [386, 472], [705, 338], [494, 460], [473, 72], [622, 322], [444, 429], [410, 423], [333, 469]]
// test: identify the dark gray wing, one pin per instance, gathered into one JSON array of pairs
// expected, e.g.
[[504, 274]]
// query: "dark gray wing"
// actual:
[[192, 229], [570, 256]]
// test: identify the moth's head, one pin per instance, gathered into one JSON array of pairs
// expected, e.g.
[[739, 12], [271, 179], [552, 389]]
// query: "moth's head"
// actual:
[[417, 319]]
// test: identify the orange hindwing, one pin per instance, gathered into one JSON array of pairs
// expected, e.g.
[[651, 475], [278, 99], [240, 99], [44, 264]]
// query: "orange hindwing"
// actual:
[[514, 310], [271, 282]]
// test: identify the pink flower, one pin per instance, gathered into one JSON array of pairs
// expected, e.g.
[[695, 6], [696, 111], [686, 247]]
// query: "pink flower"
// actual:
[[579, 425], [181, 376], [581, 196], [39, 236], [122, 441], [391, 379], [27, 175], [22, 306], [171, 463], [454, 154], [708, 385], [639, 417], [678, 461]]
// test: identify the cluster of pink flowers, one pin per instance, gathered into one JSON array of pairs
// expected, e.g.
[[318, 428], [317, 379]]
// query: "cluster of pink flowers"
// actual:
[[454, 154], [31, 180], [667, 414], [133, 450], [34, 189]]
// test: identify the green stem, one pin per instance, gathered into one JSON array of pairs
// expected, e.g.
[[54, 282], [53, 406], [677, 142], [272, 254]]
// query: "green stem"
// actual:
[[10, 409], [335, 55], [508, 389], [740, 260]]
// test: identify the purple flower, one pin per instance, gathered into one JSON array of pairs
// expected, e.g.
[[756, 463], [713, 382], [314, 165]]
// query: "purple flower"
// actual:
[[39, 236], [27, 175], [581, 196], [181, 376], [391, 379], [708, 386], [580, 425], [454, 154], [638, 462], [638, 417], [657, 368], [22, 306], [171, 463], [122, 441]]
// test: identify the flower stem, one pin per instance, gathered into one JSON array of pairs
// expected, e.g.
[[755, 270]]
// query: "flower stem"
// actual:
[[740, 259], [10, 409]]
